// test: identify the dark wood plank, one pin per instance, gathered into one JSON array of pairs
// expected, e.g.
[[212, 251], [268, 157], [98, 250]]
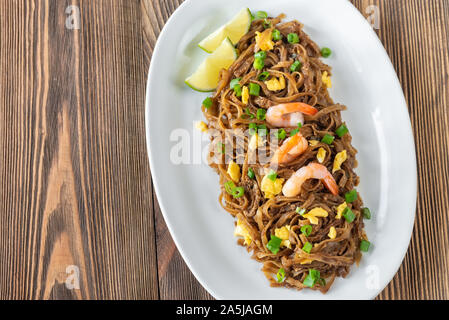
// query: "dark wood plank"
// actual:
[[74, 175], [415, 35]]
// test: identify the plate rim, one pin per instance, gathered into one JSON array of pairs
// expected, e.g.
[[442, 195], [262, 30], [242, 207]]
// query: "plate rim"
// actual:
[[154, 179]]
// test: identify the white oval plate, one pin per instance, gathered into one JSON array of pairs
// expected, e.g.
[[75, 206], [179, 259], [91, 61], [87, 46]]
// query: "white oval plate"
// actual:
[[377, 116]]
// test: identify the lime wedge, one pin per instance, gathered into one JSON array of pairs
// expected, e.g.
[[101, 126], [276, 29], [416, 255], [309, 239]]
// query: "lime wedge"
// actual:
[[234, 30], [205, 78]]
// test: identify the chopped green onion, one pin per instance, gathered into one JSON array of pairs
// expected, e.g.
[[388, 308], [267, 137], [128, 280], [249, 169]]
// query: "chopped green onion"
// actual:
[[261, 113], [229, 187], [238, 90], [295, 131], [274, 244], [252, 128], [348, 214], [312, 278], [300, 210], [307, 247], [263, 76], [234, 82], [280, 276], [272, 175], [364, 245], [238, 192], [261, 15], [221, 148], [259, 63], [351, 196], [293, 38], [266, 23], [251, 173], [326, 52], [366, 213], [254, 89], [341, 131], [261, 55], [248, 113], [276, 34], [296, 66], [306, 230], [327, 139], [207, 103], [281, 134], [262, 130]]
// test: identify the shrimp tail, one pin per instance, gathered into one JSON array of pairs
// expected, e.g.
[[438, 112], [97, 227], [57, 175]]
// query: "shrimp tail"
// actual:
[[312, 171], [330, 184]]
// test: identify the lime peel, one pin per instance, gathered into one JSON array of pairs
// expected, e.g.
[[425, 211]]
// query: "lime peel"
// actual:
[[234, 30], [205, 78]]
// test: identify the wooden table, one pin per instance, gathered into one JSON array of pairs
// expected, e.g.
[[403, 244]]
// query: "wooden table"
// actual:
[[75, 184]]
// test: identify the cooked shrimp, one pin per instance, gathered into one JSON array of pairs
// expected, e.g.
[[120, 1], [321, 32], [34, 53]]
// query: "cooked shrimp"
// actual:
[[290, 149], [312, 171], [288, 115]]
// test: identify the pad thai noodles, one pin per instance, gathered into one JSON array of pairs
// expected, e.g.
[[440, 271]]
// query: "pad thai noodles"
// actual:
[[289, 179]]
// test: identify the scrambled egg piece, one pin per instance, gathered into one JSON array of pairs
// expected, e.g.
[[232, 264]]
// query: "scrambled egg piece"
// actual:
[[314, 214], [275, 84], [270, 187], [326, 78], [201, 126], [313, 143], [245, 95], [303, 260], [340, 210], [255, 142], [321, 155], [264, 40], [283, 233], [338, 161], [332, 233], [242, 231], [234, 171]]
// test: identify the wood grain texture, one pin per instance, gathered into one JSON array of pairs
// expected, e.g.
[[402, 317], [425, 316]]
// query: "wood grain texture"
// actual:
[[175, 279], [75, 185], [415, 35], [74, 172]]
